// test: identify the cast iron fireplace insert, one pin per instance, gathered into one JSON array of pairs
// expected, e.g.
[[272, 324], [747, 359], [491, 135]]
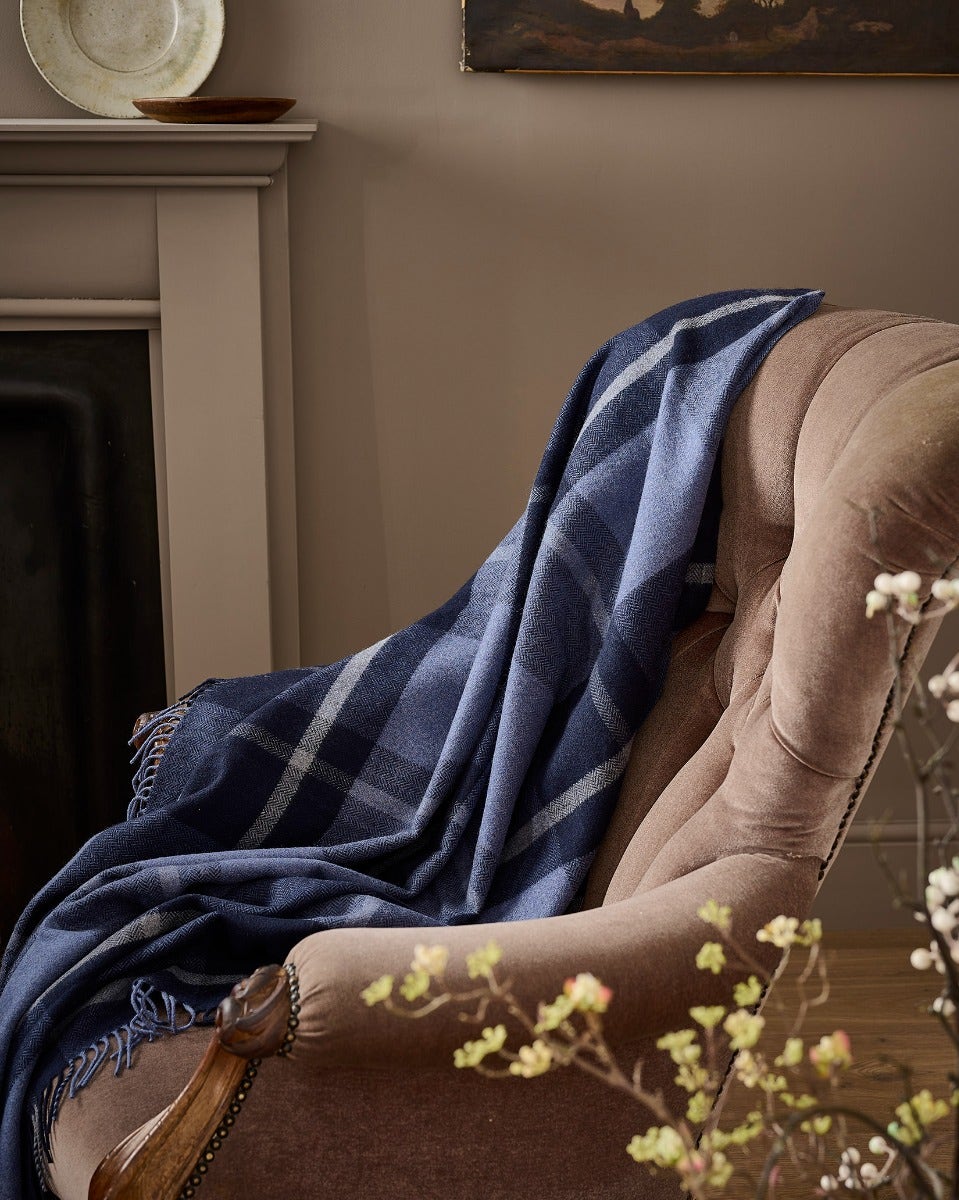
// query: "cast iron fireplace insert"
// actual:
[[81, 628]]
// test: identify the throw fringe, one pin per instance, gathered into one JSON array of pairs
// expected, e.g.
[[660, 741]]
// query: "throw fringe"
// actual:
[[154, 1015], [155, 735]]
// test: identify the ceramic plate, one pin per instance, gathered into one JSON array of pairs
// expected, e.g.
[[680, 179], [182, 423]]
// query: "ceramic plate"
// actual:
[[101, 54]]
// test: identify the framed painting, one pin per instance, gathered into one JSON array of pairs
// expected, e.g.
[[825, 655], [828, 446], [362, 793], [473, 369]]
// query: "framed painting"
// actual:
[[755, 37]]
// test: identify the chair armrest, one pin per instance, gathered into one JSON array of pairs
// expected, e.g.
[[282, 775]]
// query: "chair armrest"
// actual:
[[165, 1158], [643, 948]]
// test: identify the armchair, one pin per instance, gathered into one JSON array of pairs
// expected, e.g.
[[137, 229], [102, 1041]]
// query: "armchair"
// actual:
[[740, 787]]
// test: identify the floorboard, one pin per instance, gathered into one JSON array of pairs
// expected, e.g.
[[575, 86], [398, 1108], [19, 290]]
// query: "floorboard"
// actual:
[[880, 1000]]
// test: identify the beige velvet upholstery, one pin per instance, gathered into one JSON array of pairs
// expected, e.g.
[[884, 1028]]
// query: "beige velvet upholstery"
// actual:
[[740, 787]]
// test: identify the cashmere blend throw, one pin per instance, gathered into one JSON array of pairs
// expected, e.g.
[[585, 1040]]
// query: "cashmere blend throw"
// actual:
[[461, 769]]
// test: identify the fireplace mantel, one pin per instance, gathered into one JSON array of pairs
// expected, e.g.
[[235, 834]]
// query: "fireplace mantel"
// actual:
[[149, 153], [180, 230]]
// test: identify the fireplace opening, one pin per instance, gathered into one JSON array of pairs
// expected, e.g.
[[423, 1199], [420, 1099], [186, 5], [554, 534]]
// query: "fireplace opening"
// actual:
[[81, 626]]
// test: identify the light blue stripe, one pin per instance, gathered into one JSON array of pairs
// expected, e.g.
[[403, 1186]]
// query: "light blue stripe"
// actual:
[[658, 351], [303, 757]]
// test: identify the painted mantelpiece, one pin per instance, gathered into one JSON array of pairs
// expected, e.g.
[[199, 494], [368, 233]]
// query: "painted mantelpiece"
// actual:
[[180, 230]]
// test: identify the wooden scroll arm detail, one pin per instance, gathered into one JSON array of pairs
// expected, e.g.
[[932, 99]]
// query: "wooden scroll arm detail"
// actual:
[[158, 1160], [142, 720]]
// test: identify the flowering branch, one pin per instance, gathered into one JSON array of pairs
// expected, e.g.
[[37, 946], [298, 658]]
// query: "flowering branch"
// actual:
[[797, 1107]]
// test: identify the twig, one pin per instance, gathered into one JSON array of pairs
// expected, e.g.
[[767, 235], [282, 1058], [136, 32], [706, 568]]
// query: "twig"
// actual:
[[929, 1186]]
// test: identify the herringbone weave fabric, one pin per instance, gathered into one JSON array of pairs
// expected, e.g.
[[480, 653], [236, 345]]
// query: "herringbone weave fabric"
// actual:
[[461, 769]]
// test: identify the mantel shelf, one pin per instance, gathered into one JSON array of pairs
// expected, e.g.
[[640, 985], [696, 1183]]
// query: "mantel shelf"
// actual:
[[118, 153], [32, 129]]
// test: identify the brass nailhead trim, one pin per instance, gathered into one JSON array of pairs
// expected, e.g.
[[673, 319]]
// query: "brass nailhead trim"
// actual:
[[873, 751], [849, 811]]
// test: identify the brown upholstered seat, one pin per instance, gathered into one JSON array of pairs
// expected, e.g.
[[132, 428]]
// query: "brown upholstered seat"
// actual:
[[740, 787]]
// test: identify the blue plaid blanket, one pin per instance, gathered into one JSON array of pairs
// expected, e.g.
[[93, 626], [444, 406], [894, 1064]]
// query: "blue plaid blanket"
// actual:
[[461, 769]]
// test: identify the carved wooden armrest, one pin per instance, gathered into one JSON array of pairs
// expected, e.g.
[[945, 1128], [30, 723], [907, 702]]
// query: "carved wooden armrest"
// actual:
[[166, 1158], [139, 725]]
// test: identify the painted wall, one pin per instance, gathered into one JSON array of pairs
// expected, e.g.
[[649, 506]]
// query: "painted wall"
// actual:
[[462, 243]]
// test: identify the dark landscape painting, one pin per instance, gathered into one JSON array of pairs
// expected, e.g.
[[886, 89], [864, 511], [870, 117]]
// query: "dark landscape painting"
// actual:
[[848, 37]]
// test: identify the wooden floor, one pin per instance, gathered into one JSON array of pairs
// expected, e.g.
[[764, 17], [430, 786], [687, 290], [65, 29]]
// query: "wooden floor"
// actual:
[[878, 998]]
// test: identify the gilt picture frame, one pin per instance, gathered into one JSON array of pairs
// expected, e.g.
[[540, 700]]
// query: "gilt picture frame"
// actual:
[[705, 37]]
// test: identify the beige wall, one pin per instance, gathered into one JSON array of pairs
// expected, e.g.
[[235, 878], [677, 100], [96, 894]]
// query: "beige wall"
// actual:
[[462, 243]]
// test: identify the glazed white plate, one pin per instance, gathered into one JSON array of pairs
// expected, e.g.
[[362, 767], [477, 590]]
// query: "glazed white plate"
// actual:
[[101, 54]]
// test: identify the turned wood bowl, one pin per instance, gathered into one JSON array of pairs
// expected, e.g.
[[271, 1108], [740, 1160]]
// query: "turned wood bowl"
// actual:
[[214, 110]]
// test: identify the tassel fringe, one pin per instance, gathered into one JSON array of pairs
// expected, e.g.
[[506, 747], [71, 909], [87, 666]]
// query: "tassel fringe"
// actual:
[[155, 735], [154, 1016]]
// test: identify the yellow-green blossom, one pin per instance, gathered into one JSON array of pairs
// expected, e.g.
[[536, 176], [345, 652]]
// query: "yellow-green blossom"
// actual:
[[748, 993], [743, 1028], [670, 1041], [720, 1170], [379, 990], [749, 1069], [699, 1107], [416, 984], [820, 1124], [663, 1147], [551, 1016], [792, 1054], [708, 1016], [787, 931], [809, 932], [915, 1115], [473, 1053], [781, 931], [692, 1077], [481, 962], [533, 1060], [717, 915], [681, 1045], [747, 1131], [431, 959], [711, 957]]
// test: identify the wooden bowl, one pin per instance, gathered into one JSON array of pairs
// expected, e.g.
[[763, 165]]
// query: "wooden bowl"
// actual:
[[214, 110]]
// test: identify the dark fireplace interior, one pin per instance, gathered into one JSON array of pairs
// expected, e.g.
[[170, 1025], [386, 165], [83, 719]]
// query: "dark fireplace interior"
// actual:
[[81, 631]]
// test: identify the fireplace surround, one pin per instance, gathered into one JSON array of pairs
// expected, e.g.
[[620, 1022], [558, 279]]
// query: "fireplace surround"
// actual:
[[180, 232]]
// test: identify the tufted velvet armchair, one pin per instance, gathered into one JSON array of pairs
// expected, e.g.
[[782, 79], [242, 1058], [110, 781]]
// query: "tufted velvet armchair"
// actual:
[[740, 787]]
